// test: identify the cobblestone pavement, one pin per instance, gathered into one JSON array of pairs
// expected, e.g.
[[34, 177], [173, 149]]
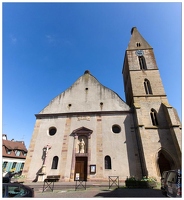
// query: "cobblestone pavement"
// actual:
[[93, 190], [99, 192]]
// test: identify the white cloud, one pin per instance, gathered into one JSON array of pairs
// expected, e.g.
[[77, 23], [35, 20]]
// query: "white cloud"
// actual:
[[13, 39], [51, 38], [54, 40]]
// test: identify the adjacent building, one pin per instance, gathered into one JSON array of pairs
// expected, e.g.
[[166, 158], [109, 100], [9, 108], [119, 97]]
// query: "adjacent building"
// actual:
[[13, 155]]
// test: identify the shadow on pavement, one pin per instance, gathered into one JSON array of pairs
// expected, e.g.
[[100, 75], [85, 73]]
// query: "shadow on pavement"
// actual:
[[122, 192]]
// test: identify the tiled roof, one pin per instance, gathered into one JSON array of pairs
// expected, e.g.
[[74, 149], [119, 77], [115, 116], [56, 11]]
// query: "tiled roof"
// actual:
[[12, 146]]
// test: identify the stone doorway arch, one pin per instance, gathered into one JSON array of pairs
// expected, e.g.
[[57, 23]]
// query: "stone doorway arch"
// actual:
[[81, 157], [165, 162]]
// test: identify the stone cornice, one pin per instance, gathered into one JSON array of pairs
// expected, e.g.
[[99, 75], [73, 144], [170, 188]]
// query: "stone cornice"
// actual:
[[151, 95], [83, 113]]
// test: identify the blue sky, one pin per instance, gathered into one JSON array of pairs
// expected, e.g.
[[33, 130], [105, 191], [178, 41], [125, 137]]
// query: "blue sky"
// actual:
[[48, 46]]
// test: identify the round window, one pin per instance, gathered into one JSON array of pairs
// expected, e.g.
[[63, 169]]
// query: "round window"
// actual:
[[116, 129], [52, 131]]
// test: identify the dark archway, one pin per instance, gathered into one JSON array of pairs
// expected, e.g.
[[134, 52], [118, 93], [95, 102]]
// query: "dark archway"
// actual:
[[165, 162]]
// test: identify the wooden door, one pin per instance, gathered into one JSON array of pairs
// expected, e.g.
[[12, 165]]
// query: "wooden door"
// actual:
[[81, 168]]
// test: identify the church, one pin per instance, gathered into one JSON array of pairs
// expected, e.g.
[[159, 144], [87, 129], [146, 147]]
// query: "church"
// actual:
[[89, 133]]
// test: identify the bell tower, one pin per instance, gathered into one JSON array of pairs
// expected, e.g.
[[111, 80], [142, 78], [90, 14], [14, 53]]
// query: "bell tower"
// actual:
[[156, 122]]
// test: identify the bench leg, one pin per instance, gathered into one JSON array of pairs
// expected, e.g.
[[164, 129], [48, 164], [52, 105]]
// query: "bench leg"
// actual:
[[80, 183], [48, 184]]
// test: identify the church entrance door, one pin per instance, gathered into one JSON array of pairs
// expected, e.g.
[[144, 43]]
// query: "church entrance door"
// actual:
[[81, 168]]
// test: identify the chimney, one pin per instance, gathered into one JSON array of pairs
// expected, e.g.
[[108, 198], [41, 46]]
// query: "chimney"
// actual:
[[4, 137]]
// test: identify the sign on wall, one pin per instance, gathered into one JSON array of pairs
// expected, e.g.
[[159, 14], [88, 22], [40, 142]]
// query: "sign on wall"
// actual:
[[92, 169], [77, 176]]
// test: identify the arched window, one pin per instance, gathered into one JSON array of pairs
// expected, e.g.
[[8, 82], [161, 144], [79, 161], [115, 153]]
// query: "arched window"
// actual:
[[107, 162], [142, 63], [153, 115], [147, 87], [55, 162]]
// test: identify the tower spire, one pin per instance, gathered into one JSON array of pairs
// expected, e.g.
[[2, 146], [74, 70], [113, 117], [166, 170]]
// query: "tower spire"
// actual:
[[137, 41]]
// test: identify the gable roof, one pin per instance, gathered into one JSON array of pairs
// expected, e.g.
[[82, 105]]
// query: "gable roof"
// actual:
[[86, 95], [13, 145]]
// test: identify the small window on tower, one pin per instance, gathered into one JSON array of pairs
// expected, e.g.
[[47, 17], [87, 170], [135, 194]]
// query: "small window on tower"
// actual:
[[153, 115], [142, 63], [147, 87], [138, 44]]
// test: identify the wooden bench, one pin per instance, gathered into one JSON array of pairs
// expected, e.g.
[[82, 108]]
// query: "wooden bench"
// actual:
[[49, 182]]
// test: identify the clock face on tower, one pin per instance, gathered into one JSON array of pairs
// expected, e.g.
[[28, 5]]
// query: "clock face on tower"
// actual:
[[139, 53]]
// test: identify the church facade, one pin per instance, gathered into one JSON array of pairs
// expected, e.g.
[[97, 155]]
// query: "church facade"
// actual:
[[88, 132]]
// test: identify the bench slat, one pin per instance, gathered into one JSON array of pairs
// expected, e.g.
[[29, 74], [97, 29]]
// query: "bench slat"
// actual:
[[53, 176]]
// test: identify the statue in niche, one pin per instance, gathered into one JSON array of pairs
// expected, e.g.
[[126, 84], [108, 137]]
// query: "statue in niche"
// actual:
[[81, 146]]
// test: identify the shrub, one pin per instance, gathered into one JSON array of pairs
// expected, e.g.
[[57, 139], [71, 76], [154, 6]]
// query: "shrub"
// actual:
[[19, 176], [145, 178], [145, 182]]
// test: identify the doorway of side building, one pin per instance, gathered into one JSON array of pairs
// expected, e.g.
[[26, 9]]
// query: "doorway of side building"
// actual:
[[81, 168]]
